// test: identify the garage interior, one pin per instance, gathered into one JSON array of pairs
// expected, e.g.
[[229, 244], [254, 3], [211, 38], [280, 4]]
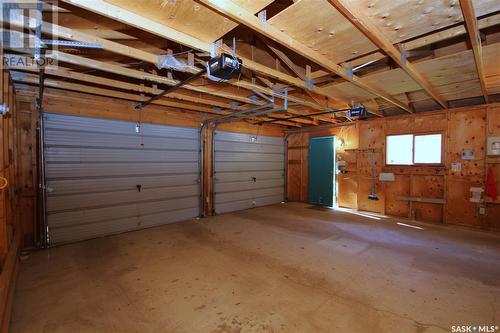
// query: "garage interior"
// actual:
[[250, 166]]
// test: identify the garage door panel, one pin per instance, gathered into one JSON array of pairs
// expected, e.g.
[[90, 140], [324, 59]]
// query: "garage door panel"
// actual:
[[106, 140], [79, 201], [252, 167], [249, 171], [88, 155], [82, 232], [246, 204], [97, 185], [248, 185], [223, 136], [224, 177], [81, 170], [93, 215], [93, 167], [227, 156], [249, 147], [249, 195]]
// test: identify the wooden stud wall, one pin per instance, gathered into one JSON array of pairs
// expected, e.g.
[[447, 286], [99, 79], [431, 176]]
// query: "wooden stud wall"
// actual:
[[10, 229], [463, 128]]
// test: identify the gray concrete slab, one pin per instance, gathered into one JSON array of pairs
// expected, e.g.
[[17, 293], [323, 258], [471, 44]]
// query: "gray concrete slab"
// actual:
[[282, 268]]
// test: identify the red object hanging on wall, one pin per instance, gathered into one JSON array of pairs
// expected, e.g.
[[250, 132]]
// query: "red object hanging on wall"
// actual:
[[491, 189]]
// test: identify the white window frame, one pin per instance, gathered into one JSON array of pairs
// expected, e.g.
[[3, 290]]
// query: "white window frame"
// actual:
[[440, 163]]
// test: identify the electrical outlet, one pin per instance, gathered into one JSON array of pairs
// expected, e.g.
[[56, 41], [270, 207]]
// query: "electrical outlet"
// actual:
[[482, 211]]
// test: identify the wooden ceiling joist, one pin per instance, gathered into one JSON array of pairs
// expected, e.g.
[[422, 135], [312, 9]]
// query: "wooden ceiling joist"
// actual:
[[66, 33], [240, 15], [119, 70], [210, 90], [34, 79], [110, 83], [475, 40], [134, 19], [138, 88], [375, 35]]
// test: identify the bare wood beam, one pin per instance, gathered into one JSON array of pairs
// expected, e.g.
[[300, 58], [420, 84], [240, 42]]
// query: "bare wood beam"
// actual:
[[238, 14], [210, 90], [115, 69], [375, 35], [143, 23], [67, 74], [299, 71], [475, 40], [116, 84], [33, 79], [118, 48]]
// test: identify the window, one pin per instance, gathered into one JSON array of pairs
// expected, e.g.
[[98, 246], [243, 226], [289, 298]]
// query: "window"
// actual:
[[410, 149]]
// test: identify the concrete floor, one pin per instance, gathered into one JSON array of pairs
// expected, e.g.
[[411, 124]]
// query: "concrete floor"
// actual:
[[283, 268]]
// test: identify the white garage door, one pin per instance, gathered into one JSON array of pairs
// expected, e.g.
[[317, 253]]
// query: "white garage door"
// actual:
[[249, 171], [104, 178]]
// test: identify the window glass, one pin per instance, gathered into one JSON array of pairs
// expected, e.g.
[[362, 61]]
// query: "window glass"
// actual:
[[427, 149], [400, 149]]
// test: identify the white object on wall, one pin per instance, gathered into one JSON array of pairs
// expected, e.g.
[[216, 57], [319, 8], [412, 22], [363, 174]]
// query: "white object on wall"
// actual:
[[468, 154], [476, 194], [386, 177], [4, 109], [493, 146]]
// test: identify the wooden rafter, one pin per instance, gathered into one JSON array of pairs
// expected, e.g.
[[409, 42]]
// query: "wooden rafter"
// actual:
[[299, 71], [302, 73], [118, 69], [143, 23], [68, 74], [375, 35], [238, 14], [67, 33], [33, 79], [475, 40]]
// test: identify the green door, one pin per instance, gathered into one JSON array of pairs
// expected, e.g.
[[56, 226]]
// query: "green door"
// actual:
[[321, 171]]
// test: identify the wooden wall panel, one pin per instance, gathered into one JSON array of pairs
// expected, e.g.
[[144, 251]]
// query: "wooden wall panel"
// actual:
[[297, 167], [492, 218], [400, 187], [459, 210], [427, 187], [467, 131], [27, 119], [347, 195], [372, 135], [371, 140], [462, 128], [10, 229], [364, 181]]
